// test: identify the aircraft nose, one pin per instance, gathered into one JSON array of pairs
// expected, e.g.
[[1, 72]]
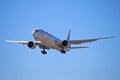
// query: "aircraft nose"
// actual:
[[34, 32]]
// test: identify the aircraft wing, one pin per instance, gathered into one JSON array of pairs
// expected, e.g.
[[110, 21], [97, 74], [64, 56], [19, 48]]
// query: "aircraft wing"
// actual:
[[24, 42], [87, 40], [39, 43]]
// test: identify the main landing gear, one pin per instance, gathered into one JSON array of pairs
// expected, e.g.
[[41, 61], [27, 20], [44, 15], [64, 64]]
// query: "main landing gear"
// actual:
[[63, 51], [43, 52]]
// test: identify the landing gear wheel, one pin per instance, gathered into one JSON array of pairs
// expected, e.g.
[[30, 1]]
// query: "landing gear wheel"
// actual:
[[63, 51], [43, 52]]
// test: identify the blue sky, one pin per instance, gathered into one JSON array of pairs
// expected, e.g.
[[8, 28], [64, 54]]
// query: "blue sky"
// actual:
[[86, 19]]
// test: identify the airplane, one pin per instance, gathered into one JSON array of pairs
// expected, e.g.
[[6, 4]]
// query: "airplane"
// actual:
[[46, 41]]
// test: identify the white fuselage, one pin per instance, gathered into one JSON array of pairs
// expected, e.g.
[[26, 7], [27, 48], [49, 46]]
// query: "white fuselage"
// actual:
[[46, 39]]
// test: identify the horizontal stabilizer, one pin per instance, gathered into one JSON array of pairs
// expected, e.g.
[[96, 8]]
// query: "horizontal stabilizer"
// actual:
[[78, 47]]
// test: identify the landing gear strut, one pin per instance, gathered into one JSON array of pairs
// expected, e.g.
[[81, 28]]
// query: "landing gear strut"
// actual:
[[43, 52]]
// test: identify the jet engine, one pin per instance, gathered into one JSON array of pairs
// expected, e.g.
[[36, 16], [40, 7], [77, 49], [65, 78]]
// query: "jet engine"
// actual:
[[31, 44], [65, 43]]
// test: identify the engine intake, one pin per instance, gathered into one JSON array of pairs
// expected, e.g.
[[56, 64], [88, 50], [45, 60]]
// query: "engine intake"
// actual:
[[31, 44], [64, 42]]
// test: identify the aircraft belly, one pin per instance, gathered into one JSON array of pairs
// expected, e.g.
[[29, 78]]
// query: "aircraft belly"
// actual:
[[49, 42]]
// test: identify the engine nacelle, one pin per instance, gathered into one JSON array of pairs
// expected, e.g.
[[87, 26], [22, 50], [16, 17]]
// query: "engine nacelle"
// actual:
[[65, 43], [31, 44]]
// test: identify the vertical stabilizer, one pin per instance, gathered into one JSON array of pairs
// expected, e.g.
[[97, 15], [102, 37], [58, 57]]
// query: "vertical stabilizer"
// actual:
[[68, 37]]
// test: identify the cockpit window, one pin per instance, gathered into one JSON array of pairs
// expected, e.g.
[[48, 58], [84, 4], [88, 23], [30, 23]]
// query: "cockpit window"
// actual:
[[36, 30]]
